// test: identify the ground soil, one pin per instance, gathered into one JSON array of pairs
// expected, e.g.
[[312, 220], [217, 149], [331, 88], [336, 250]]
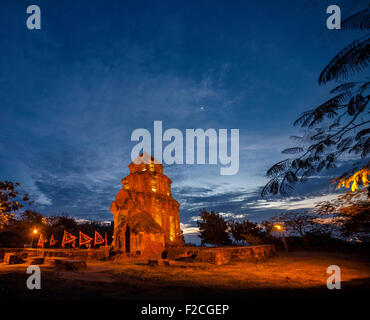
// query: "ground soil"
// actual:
[[295, 276]]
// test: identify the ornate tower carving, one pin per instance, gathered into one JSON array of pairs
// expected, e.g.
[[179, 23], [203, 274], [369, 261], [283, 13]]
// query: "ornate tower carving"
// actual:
[[146, 217]]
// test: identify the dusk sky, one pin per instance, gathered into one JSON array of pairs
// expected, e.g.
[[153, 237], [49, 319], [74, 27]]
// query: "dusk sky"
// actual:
[[72, 93]]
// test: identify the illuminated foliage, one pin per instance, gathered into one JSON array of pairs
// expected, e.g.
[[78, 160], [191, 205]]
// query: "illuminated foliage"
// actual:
[[4, 219], [9, 203], [354, 181]]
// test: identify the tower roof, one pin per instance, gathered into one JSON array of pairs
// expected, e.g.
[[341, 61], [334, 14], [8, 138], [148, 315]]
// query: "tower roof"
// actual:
[[145, 158], [145, 162]]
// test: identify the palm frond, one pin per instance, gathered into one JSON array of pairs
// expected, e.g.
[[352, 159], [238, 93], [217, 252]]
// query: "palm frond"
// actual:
[[356, 104], [344, 144], [362, 147], [293, 150], [343, 87], [326, 109], [358, 21], [366, 148], [291, 177], [364, 87], [272, 187], [334, 124], [285, 189], [304, 119], [305, 175], [296, 138], [278, 167], [362, 133], [321, 166], [318, 136], [353, 58]]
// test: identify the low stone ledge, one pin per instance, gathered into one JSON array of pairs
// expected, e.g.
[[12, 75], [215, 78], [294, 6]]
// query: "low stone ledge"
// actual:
[[224, 255], [36, 261], [12, 258], [79, 254]]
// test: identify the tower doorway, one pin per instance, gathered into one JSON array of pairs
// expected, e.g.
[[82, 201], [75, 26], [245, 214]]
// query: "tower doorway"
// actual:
[[127, 239]]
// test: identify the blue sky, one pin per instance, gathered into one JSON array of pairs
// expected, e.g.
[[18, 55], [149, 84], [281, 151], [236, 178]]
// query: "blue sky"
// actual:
[[72, 93]]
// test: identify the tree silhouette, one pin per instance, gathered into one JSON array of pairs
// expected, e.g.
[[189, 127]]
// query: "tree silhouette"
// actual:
[[246, 231], [213, 228], [296, 223], [353, 213], [338, 127]]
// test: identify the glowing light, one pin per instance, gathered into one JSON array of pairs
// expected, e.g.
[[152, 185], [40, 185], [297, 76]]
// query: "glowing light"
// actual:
[[35, 231], [278, 227], [154, 189], [172, 229]]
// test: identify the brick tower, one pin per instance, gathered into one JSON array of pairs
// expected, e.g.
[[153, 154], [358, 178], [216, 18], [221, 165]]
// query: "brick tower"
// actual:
[[146, 217]]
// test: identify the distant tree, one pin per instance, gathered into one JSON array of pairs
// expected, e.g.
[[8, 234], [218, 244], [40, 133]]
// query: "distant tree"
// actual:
[[353, 213], [336, 128], [64, 221], [246, 231], [32, 217], [213, 228], [30, 220], [297, 223], [58, 224], [18, 231], [9, 201], [267, 226]]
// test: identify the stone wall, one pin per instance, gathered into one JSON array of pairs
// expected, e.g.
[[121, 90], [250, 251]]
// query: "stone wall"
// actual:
[[224, 255], [92, 254], [218, 256]]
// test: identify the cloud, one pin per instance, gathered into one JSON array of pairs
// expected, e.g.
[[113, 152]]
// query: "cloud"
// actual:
[[42, 199], [292, 203], [84, 89], [188, 229]]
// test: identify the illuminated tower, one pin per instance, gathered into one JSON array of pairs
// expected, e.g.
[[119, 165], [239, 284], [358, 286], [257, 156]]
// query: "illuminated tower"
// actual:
[[146, 217]]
